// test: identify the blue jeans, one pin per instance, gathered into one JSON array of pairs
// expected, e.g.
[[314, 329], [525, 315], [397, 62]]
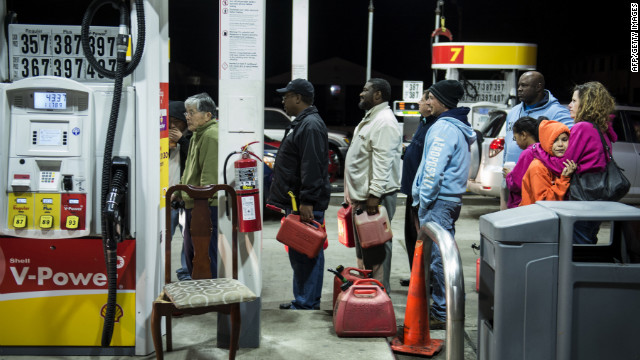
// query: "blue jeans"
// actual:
[[182, 272], [307, 275], [444, 213], [586, 232], [213, 244]]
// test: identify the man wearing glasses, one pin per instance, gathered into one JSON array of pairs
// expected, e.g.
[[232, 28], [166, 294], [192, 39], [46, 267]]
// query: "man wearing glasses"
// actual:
[[301, 167], [201, 168]]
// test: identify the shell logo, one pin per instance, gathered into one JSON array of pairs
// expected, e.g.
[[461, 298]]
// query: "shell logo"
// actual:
[[120, 262], [118, 314]]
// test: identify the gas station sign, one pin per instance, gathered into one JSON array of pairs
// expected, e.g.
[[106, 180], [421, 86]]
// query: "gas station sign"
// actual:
[[56, 50], [484, 56]]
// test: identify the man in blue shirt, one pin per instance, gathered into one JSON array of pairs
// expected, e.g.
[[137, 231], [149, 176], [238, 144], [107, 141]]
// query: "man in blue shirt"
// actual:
[[410, 162], [536, 101]]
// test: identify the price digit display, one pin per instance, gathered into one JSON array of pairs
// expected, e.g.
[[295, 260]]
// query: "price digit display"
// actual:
[[41, 50]]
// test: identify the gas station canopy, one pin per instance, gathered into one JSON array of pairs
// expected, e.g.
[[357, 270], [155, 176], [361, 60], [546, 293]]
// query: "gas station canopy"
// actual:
[[517, 56]]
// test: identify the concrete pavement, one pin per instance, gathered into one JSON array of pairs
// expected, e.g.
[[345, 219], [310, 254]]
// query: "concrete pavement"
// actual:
[[287, 334]]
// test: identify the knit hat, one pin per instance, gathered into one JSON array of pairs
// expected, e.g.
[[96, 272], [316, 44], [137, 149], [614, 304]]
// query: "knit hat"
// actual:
[[548, 132], [449, 92], [177, 110]]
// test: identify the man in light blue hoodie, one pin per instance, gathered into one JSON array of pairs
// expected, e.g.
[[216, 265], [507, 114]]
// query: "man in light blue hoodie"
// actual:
[[441, 179]]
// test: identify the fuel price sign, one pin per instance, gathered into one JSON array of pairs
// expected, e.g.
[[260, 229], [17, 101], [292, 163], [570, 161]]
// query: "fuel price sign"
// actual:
[[56, 50]]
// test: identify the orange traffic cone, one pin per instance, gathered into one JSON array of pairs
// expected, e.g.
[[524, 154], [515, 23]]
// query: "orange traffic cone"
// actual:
[[415, 338]]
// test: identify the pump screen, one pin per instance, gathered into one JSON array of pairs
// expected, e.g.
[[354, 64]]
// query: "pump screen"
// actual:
[[50, 100]]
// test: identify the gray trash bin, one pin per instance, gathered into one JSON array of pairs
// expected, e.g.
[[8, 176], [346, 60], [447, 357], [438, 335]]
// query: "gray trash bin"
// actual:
[[542, 297]]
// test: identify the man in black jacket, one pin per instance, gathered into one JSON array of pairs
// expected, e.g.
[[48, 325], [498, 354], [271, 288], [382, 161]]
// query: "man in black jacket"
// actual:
[[301, 167]]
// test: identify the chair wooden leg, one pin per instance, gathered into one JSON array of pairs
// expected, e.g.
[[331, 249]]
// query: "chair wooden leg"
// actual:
[[169, 333], [156, 319], [235, 331]]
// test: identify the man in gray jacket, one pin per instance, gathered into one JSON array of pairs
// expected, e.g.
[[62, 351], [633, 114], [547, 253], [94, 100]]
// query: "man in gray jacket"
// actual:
[[372, 170]]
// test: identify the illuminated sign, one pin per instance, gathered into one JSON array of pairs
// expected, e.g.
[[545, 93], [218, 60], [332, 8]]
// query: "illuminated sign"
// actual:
[[484, 56]]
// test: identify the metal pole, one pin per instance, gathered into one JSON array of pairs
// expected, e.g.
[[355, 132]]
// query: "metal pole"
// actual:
[[369, 40], [453, 283], [439, 4], [300, 40]]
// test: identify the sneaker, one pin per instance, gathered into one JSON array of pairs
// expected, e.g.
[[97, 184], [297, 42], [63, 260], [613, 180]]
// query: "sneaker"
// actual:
[[404, 282], [437, 324], [287, 306]]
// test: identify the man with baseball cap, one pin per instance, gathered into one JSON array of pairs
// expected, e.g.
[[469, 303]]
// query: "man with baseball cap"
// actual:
[[302, 167], [441, 179]]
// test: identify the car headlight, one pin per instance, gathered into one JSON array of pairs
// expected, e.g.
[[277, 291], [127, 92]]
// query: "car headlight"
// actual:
[[269, 161]]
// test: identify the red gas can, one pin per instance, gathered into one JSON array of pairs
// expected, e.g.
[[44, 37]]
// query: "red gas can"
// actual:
[[364, 310], [373, 230], [302, 237], [352, 274], [478, 275], [345, 226]]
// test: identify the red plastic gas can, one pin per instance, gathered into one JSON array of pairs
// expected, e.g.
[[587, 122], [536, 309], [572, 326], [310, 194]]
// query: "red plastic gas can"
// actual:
[[352, 274], [373, 230], [300, 236], [478, 275], [364, 310], [345, 226]]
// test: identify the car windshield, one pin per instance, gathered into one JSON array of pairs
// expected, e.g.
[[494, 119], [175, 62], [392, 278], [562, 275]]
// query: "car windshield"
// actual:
[[275, 120]]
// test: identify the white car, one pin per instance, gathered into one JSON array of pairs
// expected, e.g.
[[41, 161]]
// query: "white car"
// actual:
[[485, 173], [276, 121]]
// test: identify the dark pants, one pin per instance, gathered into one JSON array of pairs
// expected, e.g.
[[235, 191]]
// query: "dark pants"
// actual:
[[213, 244], [586, 232], [376, 258], [410, 230], [307, 275]]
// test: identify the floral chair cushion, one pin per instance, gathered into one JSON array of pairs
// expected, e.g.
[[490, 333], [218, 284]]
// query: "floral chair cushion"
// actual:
[[207, 292]]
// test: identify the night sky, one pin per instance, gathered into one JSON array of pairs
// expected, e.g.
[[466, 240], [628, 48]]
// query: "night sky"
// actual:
[[565, 32]]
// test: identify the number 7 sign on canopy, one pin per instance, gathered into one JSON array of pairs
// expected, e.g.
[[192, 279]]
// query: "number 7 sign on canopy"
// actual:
[[484, 56]]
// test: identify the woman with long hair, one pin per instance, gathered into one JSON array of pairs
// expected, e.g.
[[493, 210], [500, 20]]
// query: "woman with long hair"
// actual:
[[590, 107]]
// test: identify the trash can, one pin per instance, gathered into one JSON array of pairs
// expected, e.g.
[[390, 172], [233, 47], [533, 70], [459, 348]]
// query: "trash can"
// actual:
[[542, 297]]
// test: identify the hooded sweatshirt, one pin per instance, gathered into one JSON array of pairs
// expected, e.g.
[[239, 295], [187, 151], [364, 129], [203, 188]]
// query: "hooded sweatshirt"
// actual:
[[444, 169], [514, 178], [585, 148], [540, 183], [548, 106]]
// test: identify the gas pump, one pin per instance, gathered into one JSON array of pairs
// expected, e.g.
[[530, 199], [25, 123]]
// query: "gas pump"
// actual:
[[73, 243]]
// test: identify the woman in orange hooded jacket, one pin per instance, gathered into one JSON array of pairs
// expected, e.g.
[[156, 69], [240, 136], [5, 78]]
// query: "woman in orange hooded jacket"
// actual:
[[539, 183]]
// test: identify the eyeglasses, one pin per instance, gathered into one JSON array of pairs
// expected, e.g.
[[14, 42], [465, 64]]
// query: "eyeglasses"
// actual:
[[285, 96], [190, 113]]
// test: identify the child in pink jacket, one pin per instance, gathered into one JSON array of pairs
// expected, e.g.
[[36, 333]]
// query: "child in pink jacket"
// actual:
[[525, 134], [540, 183]]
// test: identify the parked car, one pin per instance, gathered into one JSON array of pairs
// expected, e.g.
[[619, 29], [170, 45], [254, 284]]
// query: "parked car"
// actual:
[[485, 170], [485, 173], [276, 121]]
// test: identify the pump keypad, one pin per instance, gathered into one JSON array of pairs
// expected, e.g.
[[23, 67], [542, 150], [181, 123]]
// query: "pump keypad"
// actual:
[[46, 221], [72, 222], [20, 221]]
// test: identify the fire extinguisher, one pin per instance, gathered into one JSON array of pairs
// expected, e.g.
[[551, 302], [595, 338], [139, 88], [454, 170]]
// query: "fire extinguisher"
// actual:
[[247, 192]]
